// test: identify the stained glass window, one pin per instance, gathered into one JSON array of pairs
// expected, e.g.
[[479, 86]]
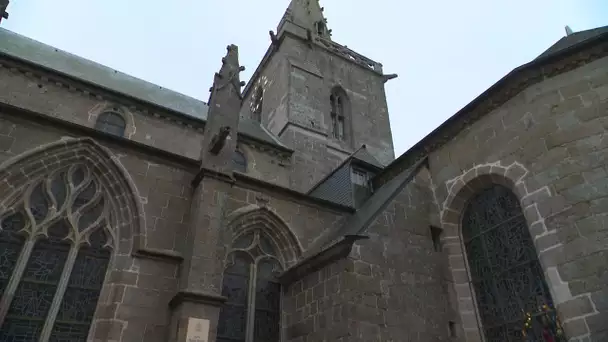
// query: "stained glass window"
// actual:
[[252, 312], [59, 216], [111, 122], [512, 296]]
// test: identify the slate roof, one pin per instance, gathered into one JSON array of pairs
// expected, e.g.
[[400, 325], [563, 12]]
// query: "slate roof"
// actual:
[[378, 201], [573, 39], [31, 51], [357, 223], [363, 155], [360, 155], [395, 178]]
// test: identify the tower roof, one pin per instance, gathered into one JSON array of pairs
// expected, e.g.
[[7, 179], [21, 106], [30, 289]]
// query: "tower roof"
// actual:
[[307, 14]]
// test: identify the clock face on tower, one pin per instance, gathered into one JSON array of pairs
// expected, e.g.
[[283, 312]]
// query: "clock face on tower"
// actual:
[[257, 100]]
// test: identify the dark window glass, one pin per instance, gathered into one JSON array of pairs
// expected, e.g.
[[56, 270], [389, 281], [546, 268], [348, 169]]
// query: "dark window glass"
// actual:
[[512, 296], [252, 312], [232, 324], [45, 259], [338, 113], [112, 123], [239, 161]]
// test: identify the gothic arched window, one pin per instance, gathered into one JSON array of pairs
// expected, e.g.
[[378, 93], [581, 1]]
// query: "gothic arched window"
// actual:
[[512, 296], [253, 310], [256, 105], [339, 114], [239, 161], [55, 246], [112, 123]]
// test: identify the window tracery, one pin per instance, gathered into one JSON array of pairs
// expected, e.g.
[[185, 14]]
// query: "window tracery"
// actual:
[[505, 272], [112, 123], [252, 312], [55, 246]]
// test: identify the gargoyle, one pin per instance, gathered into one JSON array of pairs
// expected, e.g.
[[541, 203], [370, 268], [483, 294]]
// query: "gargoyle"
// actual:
[[3, 12], [219, 140], [387, 78]]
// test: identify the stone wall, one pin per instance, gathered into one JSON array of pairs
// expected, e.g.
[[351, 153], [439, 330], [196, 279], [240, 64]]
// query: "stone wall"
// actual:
[[41, 92], [407, 272], [134, 299], [134, 303], [265, 165], [297, 82], [548, 145], [52, 95], [391, 288]]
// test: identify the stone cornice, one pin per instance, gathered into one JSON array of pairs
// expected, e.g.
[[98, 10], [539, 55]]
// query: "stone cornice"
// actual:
[[191, 296], [328, 45], [282, 153], [49, 76], [98, 93], [240, 180], [158, 254], [248, 182], [497, 95]]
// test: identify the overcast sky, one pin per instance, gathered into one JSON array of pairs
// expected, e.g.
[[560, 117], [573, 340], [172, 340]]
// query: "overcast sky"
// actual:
[[445, 52]]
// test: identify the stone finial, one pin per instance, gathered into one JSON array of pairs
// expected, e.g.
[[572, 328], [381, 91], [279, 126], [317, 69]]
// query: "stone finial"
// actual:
[[229, 72], [3, 12], [568, 30]]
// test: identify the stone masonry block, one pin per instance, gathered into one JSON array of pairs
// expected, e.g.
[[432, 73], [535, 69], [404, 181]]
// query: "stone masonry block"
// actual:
[[600, 299], [575, 327], [576, 307], [597, 322], [546, 241]]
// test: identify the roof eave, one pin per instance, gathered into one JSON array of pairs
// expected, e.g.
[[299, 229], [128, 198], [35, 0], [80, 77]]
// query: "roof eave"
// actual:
[[171, 112], [423, 146]]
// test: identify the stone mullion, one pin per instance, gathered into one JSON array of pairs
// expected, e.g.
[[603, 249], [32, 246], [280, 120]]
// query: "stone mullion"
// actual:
[[251, 302], [9, 293], [61, 288]]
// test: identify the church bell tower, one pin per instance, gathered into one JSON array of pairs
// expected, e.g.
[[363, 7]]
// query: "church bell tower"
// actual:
[[320, 98]]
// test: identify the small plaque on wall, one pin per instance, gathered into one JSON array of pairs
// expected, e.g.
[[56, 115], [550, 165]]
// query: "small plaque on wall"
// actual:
[[198, 330]]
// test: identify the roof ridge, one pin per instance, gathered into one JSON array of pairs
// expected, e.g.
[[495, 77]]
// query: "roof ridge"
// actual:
[[46, 57], [30, 50]]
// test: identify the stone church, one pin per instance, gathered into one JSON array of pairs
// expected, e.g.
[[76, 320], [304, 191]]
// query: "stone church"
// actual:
[[277, 211]]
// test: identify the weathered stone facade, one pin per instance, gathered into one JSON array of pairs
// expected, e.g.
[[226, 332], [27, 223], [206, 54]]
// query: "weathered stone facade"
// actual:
[[547, 145], [176, 206]]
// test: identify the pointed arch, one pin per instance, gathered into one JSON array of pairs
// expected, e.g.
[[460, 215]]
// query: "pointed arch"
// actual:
[[261, 247], [65, 207], [253, 217], [340, 115], [485, 193], [17, 172]]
